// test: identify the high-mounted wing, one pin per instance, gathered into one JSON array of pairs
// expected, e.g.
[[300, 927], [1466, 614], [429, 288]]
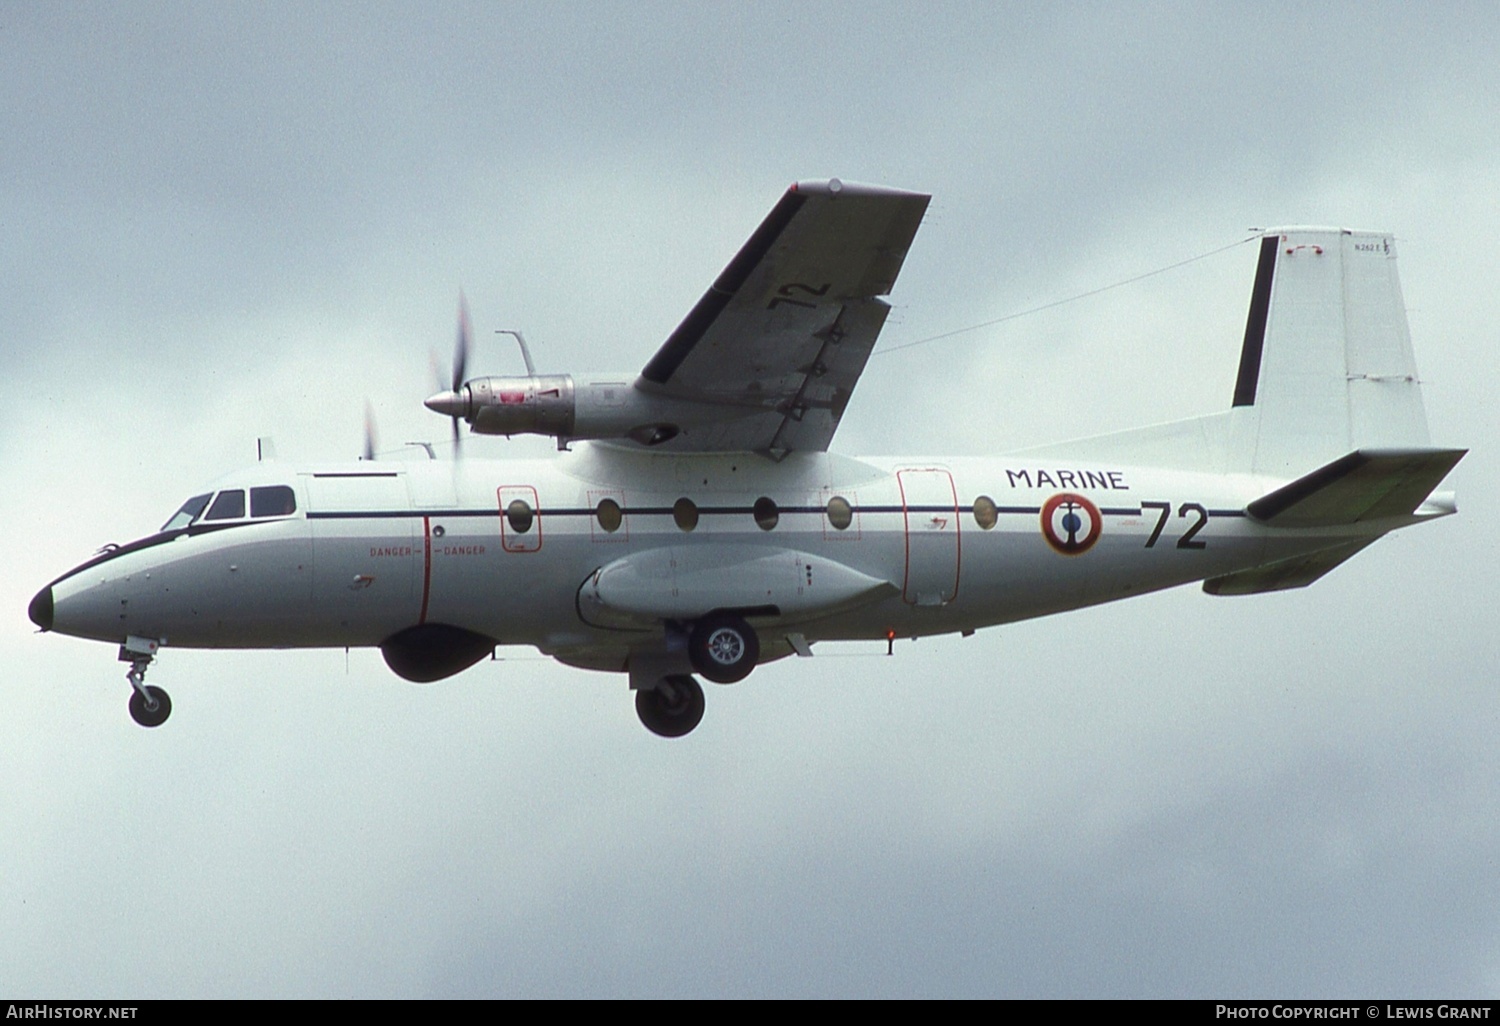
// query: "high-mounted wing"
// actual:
[[779, 340]]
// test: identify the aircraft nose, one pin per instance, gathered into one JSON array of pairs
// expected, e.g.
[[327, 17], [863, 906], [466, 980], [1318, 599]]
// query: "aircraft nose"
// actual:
[[41, 609]]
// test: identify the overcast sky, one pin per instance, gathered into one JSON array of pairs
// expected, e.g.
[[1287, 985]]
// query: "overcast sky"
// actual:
[[223, 221]]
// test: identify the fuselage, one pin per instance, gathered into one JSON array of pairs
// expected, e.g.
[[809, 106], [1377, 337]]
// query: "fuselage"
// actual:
[[586, 556]]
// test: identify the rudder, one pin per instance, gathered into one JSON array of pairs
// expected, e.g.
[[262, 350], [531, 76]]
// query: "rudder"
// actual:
[[1326, 366]]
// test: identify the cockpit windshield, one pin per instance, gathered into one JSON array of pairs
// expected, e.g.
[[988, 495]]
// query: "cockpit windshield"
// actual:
[[187, 513], [229, 504], [272, 500]]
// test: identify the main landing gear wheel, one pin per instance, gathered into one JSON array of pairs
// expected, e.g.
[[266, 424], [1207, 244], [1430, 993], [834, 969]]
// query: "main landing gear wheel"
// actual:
[[672, 708], [152, 708], [724, 648]]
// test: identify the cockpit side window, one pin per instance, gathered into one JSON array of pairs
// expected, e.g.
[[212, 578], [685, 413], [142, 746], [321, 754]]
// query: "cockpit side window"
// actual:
[[272, 501], [230, 505], [187, 512]]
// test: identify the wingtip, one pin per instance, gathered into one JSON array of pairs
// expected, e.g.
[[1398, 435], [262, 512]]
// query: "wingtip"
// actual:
[[843, 187]]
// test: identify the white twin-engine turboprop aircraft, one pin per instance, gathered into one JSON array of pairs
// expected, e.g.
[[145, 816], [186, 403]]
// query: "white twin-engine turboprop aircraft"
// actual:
[[706, 527]]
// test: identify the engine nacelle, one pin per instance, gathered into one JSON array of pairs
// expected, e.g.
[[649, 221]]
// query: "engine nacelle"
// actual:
[[568, 410], [543, 404]]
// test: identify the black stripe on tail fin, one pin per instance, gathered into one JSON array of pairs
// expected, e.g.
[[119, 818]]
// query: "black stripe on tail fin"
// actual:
[[1255, 323]]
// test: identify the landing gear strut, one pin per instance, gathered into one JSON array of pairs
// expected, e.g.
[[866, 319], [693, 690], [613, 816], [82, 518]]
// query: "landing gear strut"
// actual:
[[672, 708], [149, 705]]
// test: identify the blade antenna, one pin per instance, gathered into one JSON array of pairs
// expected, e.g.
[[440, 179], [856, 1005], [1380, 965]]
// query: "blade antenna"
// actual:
[[525, 352]]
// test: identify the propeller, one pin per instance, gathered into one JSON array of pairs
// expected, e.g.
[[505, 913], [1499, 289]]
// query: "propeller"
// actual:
[[453, 402]]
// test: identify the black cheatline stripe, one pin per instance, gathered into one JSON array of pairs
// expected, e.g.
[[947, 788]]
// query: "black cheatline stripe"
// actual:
[[710, 511], [193, 530], [681, 342], [1255, 323], [154, 540], [373, 514], [363, 473], [903, 509], [151, 541]]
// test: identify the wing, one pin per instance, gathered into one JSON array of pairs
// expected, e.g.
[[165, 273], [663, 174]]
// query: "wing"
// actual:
[[775, 347]]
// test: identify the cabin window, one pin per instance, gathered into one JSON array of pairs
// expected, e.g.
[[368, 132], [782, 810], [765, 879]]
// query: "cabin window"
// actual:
[[685, 513], [985, 513], [230, 505], [766, 513], [840, 513], [272, 501], [187, 512], [520, 516], [610, 515]]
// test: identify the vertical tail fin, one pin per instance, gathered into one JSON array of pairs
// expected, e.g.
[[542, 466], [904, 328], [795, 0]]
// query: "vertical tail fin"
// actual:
[[1327, 366]]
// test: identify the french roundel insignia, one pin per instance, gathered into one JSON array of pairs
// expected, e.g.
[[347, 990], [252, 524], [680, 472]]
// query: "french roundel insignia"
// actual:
[[1071, 523]]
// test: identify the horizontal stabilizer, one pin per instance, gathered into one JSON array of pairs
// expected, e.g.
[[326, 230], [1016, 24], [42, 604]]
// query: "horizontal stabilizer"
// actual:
[[1297, 572], [1368, 484]]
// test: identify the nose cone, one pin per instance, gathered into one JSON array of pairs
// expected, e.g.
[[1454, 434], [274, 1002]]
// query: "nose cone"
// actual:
[[449, 404], [40, 609]]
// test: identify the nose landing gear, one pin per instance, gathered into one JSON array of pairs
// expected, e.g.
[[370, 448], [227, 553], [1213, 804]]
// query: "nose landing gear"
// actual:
[[149, 705]]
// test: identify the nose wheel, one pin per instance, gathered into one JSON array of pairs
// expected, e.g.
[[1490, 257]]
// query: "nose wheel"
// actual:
[[149, 705], [672, 708]]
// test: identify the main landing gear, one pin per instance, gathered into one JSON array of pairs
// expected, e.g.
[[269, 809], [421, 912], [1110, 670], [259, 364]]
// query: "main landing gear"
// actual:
[[149, 705], [672, 708], [721, 647]]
